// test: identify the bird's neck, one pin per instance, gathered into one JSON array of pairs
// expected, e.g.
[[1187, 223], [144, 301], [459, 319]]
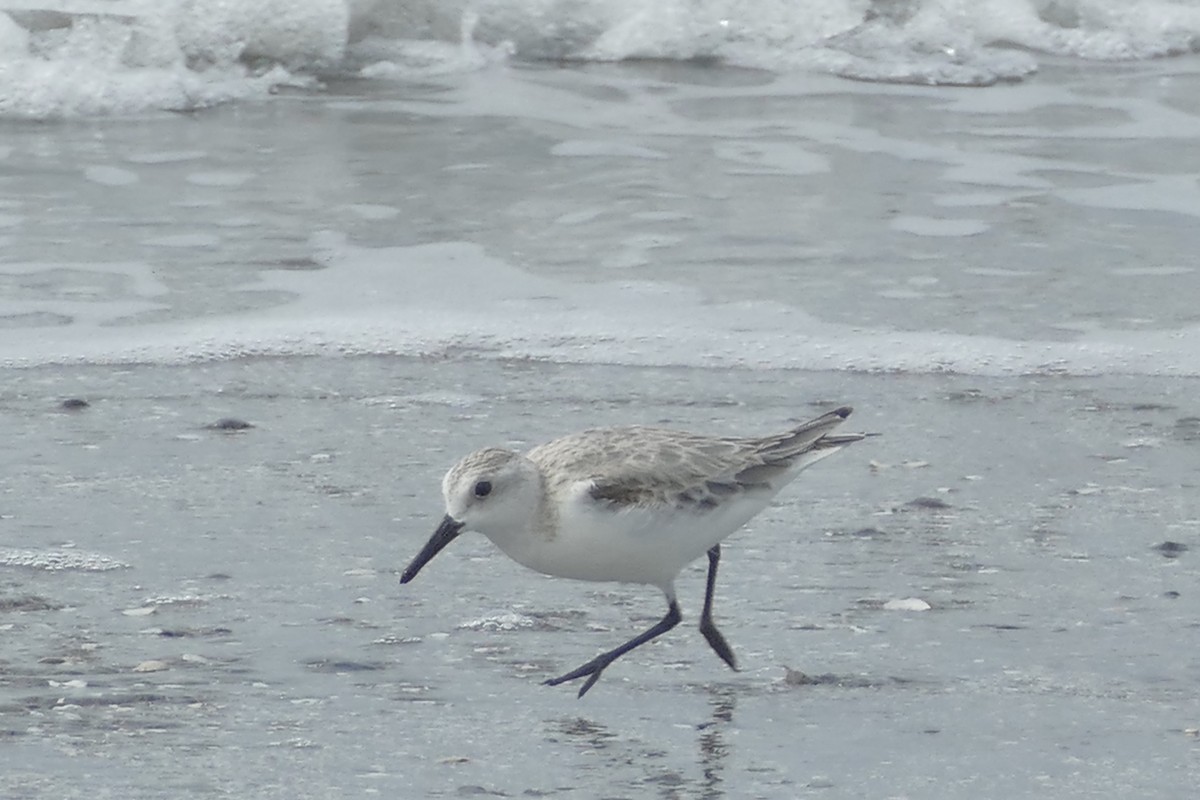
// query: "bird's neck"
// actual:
[[524, 535]]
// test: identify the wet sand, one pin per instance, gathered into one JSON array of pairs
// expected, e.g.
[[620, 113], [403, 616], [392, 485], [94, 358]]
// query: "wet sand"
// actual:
[[206, 612]]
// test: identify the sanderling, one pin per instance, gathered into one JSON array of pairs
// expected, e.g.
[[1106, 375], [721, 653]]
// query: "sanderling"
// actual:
[[634, 505]]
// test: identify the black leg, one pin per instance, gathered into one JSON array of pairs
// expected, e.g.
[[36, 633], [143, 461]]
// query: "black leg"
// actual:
[[707, 626], [597, 664]]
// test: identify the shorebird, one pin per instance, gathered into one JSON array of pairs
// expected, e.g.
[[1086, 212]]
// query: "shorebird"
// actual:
[[630, 504]]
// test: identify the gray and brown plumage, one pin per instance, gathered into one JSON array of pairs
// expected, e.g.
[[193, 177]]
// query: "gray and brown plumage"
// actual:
[[629, 504]]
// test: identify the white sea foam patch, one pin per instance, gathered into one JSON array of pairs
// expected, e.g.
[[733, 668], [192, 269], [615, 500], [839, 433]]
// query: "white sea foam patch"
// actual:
[[80, 57], [56, 560], [450, 299], [923, 42], [62, 58]]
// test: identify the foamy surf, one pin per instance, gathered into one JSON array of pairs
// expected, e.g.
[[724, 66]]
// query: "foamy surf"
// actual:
[[64, 58], [454, 300]]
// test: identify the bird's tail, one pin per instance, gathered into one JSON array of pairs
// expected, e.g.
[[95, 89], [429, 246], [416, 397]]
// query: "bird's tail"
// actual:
[[813, 435], [801, 447]]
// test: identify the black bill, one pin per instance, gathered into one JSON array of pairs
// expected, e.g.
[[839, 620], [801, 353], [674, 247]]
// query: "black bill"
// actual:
[[446, 533]]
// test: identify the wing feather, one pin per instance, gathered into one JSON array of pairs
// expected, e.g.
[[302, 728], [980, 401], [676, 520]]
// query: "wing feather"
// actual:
[[640, 466]]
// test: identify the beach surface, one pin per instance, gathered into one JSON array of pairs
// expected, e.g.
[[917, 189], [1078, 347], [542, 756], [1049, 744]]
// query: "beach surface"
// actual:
[[239, 347]]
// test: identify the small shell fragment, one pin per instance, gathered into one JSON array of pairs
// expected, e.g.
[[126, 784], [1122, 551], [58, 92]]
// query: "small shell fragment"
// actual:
[[907, 604]]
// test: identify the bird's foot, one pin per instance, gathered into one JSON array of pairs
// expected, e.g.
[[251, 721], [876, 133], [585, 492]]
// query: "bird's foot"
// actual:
[[593, 669], [718, 643]]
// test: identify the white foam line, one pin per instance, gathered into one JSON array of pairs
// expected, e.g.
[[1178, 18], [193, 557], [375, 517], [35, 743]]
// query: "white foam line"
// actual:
[[451, 299]]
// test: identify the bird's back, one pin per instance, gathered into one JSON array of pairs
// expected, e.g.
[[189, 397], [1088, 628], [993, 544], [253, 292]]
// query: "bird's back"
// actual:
[[646, 466]]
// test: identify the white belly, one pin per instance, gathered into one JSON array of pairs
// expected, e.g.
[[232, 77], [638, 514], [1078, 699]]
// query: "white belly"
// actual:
[[638, 545]]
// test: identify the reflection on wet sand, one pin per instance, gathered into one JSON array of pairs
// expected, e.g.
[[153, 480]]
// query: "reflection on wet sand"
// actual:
[[617, 752], [712, 746]]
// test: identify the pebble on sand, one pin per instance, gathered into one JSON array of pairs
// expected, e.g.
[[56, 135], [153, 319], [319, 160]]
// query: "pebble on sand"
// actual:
[[230, 424], [934, 503], [1171, 549]]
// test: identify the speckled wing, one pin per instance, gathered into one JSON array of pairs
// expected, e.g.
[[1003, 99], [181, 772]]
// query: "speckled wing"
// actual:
[[645, 467]]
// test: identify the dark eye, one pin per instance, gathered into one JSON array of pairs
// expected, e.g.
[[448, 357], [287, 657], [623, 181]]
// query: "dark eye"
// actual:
[[483, 488]]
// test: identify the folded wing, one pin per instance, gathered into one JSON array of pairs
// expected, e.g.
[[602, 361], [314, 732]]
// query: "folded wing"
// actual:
[[643, 467]]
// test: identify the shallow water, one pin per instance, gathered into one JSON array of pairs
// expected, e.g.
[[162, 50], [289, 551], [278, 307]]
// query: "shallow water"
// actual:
[[548, 213]]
